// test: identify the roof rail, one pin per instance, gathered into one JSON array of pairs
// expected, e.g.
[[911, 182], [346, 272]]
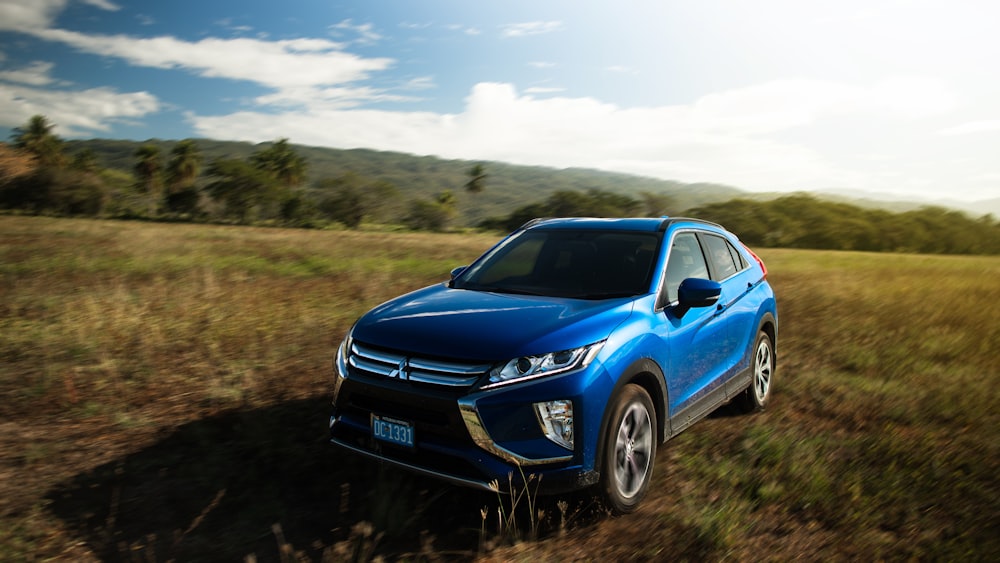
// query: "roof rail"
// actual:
[[531, 223], [670, 220]]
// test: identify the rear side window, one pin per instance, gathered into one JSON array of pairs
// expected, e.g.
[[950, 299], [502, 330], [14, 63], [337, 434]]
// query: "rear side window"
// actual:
[[725, 259], [686, 261]]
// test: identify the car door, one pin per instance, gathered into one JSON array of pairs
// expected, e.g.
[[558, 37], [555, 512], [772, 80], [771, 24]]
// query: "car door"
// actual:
[[691, 357], [731, 269]]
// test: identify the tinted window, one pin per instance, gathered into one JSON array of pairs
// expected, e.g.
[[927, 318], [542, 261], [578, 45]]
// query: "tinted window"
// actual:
[[685, 261], [741, 261], [720, 252], [584, 264]]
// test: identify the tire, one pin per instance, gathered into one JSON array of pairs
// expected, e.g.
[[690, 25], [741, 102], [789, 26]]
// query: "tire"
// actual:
[[756, 396], [629, 450]]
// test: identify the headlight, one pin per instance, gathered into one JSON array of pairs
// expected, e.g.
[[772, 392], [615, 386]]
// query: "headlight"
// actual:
[[530, 367], [340, 364], [343, 353]]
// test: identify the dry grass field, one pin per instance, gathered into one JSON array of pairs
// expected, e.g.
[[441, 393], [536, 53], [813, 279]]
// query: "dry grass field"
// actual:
[[164, 394]]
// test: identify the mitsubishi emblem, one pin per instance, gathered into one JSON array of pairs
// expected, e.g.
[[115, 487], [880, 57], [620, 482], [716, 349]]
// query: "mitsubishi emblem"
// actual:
[[400, 371]]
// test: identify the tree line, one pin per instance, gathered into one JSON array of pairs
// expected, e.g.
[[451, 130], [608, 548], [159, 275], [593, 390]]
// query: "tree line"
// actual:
[[271, 186], [39, 175], [802, 221]]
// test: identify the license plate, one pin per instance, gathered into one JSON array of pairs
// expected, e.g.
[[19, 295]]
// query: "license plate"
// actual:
[[392, 430]]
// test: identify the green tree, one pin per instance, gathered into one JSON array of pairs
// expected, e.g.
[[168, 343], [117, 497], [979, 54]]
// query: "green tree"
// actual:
[[282, 162], [36, 137], [569, 203], [148, 171], [245, 191], [656, 205], [477, 179], [184, 166], [350, 199], [85, 161], [431, 214], [57, 190], [298, 210], [182, 195], [345, 200]]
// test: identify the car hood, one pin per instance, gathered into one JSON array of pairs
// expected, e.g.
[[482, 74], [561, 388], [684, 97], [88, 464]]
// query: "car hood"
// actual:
[[484, 326]]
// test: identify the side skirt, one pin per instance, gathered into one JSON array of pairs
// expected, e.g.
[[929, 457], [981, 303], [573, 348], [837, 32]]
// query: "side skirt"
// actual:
[[709, 403]]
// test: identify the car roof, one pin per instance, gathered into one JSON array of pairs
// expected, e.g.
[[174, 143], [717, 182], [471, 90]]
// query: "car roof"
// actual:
[[647, 224]]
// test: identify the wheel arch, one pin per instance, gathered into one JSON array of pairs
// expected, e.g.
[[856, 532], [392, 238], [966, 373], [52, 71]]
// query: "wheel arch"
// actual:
[[646, 374], [769, 325]]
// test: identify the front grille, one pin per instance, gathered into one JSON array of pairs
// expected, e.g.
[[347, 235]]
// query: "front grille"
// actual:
[[387, 364]]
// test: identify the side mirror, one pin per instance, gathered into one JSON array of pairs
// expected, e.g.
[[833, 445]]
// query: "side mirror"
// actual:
[[698, 292], [458, 271]]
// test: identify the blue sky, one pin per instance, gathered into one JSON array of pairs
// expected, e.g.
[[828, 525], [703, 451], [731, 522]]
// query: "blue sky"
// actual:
[[889, 96]]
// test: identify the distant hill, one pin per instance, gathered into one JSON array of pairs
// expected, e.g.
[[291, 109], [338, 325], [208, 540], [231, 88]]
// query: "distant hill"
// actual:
[[507, 186], [890, 202]]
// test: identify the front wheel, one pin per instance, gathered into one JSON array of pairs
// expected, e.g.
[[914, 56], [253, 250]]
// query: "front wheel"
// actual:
[[629, 450], [757, 394]]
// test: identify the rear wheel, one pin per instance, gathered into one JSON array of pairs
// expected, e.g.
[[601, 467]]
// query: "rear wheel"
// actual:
[[630, 449], [758, 393]]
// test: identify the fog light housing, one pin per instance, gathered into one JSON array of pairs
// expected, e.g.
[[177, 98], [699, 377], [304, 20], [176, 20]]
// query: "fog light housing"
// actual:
[[556, 420]]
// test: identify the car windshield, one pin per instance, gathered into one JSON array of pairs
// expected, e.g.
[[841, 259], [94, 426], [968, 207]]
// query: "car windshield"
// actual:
[[582, 264]]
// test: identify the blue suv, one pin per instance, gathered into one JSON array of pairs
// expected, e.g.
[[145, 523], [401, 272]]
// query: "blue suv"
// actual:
[[567, 352]]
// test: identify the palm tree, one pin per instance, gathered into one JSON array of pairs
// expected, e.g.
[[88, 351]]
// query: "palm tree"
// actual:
[[37, 138], [148, 173], [477, 177], [184, 166], [281, 162]]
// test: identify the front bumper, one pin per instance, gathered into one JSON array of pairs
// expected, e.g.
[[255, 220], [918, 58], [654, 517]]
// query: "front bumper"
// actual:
[[486, 440]]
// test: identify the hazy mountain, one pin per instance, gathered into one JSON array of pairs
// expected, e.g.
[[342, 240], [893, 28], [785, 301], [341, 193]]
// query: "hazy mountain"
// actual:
[[897, 203], [508, 186]]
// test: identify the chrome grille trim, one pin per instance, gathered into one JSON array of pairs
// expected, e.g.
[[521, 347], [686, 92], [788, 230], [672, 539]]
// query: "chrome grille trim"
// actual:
[[421, 370]]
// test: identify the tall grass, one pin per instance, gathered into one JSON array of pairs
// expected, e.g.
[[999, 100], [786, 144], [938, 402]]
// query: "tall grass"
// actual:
[[116, 315], [128, 347]]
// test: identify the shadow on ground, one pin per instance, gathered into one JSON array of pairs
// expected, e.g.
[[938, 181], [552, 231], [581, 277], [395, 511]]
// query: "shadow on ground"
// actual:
[[263, 482]]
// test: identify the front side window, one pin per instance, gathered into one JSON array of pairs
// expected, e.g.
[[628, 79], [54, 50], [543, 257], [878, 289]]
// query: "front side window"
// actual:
[[685, 261], [584, 264]]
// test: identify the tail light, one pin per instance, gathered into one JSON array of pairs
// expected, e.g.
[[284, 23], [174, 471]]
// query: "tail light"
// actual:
[[757, 258]]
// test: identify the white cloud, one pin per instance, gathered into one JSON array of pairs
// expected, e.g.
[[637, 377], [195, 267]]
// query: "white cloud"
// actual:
[[461, 28], [23, 15], [75, 112], [35, 74], [365, 32], [304, 72], [735, 137], [541, 64], [420, 83], [103, 4], [529, 28], [327, 98], [986, 126], [279, 64], [784, 104], [543, 90]]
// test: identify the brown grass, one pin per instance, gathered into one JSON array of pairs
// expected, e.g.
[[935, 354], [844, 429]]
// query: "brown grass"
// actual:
[[165, 388]]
